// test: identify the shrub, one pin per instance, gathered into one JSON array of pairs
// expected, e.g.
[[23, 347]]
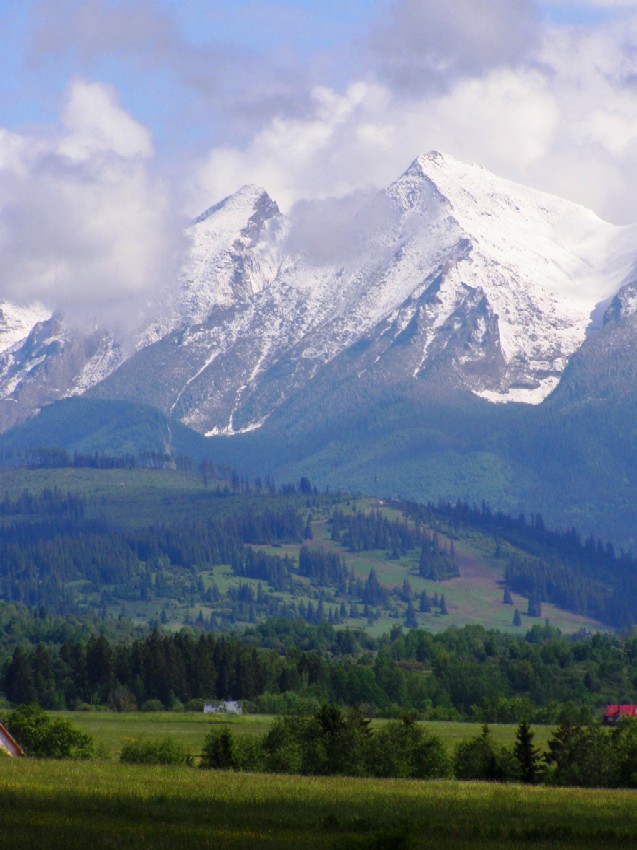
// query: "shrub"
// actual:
[[218, 751], [403, 749], [249, 755], [42, 737], [585, 757], [624, 741], [478, 758], [154, 751], [152, 705]]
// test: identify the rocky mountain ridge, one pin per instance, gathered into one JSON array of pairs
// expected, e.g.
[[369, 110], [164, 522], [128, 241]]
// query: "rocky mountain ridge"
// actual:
[[450, 277]]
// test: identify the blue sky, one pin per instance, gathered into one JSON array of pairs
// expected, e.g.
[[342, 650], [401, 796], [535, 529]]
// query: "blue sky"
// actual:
[[129, 116], [47, 43]]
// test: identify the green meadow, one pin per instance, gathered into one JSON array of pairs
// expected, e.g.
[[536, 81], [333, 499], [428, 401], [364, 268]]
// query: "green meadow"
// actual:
[[111, 730], [62, 805]]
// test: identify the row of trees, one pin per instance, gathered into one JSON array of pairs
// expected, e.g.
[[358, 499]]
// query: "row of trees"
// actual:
[[471, 672], [329, 741], [48, 502], [41, 561], [550, 581], [363, 532]]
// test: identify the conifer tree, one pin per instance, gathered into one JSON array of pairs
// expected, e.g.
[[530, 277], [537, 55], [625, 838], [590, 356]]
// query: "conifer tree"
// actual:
[[411, 621], [561, 741], [527, 754]]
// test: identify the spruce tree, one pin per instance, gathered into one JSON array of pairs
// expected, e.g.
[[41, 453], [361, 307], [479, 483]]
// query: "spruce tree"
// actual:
[[561, 741], [411, 621], [527, 754], [507, 599], [517, 619], [19, 684]]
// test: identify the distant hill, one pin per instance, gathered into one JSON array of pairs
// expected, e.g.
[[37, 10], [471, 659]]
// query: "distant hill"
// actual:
[[111, 427], [211, 550]]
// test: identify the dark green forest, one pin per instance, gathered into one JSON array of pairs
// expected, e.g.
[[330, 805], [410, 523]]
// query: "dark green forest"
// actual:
[[474, 673]]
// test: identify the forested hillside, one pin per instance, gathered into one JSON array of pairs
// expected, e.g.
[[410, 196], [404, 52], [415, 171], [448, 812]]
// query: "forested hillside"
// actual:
[[203, 547]]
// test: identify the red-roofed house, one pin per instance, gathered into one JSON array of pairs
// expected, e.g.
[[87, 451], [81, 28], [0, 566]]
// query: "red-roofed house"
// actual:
[[616, 712]]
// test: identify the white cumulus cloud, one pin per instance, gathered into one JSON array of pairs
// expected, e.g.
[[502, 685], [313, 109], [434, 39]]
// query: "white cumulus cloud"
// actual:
[[85, 227], [560, 117]]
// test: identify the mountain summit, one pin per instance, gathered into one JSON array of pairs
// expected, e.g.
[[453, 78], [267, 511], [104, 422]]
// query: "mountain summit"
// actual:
[[449, 277]]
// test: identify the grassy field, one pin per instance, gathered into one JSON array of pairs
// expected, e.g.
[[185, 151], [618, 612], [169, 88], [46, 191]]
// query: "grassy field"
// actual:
[[111, 729], [474, 598], [99, 805]]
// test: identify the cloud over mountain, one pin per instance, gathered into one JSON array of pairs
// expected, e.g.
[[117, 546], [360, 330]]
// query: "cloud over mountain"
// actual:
[[84, 225]]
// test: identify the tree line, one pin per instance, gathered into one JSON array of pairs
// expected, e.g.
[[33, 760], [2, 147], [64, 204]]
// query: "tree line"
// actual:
[[330, 741], [471, 673]]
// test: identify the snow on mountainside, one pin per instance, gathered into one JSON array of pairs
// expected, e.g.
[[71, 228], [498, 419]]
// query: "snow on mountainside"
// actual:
[[233, 253], [42, 360], [450, 276], [16, 322], [543, 263], [450, 272]]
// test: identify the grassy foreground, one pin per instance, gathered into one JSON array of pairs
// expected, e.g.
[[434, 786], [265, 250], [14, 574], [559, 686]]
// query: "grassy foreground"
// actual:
[[61, 806]]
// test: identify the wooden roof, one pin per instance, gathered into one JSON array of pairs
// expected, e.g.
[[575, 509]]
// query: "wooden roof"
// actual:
[[9, 743]]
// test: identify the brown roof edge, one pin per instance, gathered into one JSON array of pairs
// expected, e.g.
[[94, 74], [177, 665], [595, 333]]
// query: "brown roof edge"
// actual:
[[18, 752]]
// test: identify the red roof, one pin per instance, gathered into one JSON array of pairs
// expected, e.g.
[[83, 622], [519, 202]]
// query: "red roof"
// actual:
[[621, 711]]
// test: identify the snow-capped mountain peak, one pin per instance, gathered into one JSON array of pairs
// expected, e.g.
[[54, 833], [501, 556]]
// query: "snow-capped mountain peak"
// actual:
[[229, 257], [543, 263], [450, 276]]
